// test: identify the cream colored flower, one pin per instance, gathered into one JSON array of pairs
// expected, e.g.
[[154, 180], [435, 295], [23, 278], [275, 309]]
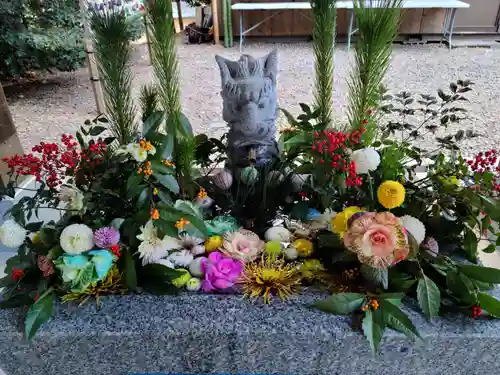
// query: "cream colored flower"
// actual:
[[76, 239], [244, 245], [72, 196], [12, 235], [137, 152], [415, 227], [152, 248]]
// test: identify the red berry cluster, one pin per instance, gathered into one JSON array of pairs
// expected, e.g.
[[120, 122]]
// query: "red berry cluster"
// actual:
[[51, 165], [487, 162], [476, 311], [17, 274], [331, 145]]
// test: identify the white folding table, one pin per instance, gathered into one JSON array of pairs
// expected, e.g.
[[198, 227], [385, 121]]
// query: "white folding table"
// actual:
[[451, 7]]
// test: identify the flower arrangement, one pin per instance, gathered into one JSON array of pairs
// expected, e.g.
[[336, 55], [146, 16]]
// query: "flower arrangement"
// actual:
[[345, 211]]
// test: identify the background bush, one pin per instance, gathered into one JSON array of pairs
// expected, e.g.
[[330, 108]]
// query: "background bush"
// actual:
[[40, 35]]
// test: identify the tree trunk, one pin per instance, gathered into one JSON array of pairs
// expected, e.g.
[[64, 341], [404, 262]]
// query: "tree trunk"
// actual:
[[9, 142]]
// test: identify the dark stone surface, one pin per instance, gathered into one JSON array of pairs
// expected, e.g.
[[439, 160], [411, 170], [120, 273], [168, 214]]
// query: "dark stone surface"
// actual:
[[198, 334]]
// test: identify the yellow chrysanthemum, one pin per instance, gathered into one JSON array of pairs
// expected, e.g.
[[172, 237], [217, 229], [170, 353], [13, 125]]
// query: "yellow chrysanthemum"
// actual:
[[341, 220], [269, 278], [391, 194]]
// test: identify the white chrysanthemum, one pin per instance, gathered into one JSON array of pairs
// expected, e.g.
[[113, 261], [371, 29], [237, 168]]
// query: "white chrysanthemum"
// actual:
[[181, 258], [76, 239], [12, 235], [367, 159], [72, 196], [415, 227]]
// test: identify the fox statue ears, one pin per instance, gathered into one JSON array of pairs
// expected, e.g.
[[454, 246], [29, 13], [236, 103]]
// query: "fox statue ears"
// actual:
[[248, 66]]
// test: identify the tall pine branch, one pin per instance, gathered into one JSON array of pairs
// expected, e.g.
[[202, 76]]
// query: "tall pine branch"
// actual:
[[324, 17], [111, 38], [376, 30]]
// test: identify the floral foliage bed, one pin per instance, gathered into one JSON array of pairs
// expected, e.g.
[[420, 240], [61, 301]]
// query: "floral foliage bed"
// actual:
[[342, 208]]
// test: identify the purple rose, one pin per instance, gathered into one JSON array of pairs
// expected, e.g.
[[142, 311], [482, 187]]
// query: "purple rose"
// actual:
[[220, 272], [106, 237]]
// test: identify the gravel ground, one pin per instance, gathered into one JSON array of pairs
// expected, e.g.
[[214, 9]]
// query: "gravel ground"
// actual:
[[62, 102]]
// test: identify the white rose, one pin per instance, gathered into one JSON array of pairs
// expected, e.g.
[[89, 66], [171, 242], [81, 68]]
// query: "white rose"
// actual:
[[195, 267], [366, 159], [76, 239], [415, 227], [12, 235], [72, 196]]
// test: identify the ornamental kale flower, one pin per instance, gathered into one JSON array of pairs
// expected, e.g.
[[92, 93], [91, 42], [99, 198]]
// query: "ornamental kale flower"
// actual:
[[244, 245], [378, 239], [106, 237], [220, 272], [76, 270]]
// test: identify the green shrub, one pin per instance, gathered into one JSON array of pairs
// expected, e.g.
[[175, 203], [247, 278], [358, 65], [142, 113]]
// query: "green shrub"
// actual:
[[40, 35]]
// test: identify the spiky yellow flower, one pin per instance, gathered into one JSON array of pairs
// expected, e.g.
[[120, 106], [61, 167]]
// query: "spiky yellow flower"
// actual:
[[391, 194], [111, 284], [268, 278]]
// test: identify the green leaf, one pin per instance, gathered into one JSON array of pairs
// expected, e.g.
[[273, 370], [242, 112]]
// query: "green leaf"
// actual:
[[6, 281], [398, 320], [34, 227], [152, 123], [489, 249], [373, 329], [429, 297], [343, 303], [129, 271], [185, 126], [378, 276], [470, 244], [39, 313], [80, 139], [460, 285], [299, 139], [394, 298], [168, 181], [299, 210], [161, 273], [134, 185], [159, 167], [144, 198], [485, 274], [490, 304], [291, 120], [96, 130], [18, 300]]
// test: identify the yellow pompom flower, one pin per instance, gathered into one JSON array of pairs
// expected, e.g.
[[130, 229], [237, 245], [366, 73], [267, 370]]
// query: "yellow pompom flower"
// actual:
[[213, 243], [37, 238], [391, 194], [341, 220]]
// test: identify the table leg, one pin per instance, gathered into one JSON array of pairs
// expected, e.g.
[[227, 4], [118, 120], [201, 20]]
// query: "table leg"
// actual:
[[349, 31], [241, 30], [452, 26]]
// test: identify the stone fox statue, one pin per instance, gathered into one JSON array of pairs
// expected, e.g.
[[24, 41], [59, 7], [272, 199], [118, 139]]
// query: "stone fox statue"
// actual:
[[249, 108]]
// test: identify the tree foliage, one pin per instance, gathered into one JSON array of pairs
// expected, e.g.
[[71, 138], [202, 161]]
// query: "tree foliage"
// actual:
[[39, 35]]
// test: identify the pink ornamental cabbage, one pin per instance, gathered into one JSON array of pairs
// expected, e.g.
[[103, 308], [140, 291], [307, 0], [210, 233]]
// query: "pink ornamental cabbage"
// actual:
[[220, 272]]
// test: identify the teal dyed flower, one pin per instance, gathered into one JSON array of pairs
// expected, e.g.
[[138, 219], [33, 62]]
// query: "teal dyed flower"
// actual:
[[222, 225], [103, 260]]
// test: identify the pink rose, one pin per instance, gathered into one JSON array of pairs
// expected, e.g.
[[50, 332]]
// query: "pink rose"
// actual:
[[244, 245], [220, 272], [45, 265], [378, 239]]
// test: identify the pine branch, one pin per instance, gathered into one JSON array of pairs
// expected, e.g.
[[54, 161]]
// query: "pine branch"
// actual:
[[149, 100], [377, 28], [111, 39], [164, 59], [324, 16]]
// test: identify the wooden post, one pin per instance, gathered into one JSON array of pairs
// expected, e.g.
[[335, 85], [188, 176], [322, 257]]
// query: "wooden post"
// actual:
[[179, 15], [215, 21], [91, 60]]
